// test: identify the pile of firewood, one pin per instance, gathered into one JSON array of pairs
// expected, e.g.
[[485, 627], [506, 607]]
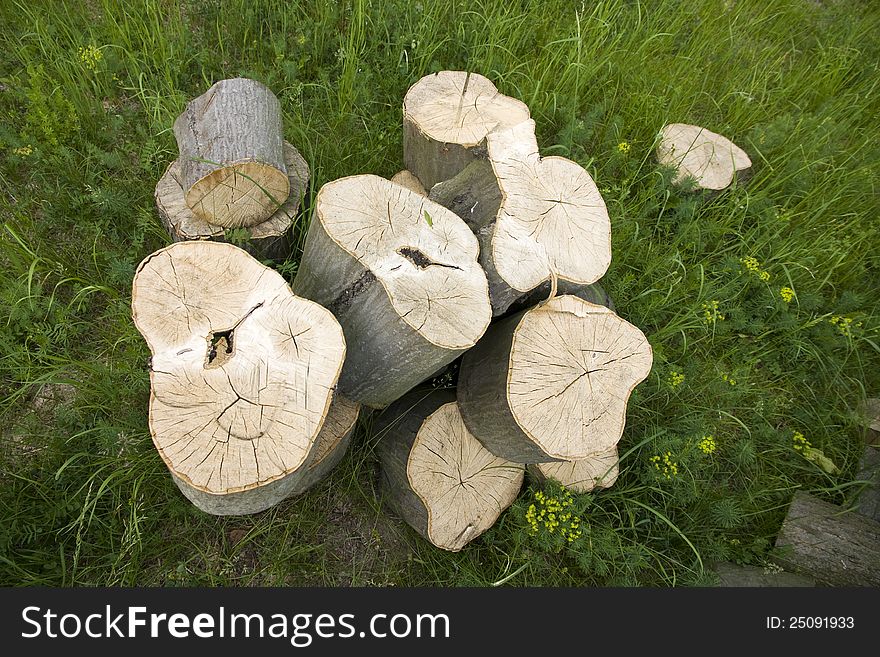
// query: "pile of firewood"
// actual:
[[481, 249]]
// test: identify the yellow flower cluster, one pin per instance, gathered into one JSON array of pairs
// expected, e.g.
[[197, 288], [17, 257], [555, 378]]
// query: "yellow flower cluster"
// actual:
[[801, 444], [707, 444], [665, 465], [711, 313], [90, 56], [24, 151], [844, 324], [623, 147], [786, 293], [675, 379], [754, 267], [556, 515], [727, 378]]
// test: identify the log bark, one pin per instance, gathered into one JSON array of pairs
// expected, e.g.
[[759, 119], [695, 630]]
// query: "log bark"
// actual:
[[232, 167], [867, 500], [401, 274], [710, 160], [446, 117], [583, 476], [833, 545], [436, 475], [731, 575], [329, 448], [269, 239], [551, 383], [242, 372], [536, 218]]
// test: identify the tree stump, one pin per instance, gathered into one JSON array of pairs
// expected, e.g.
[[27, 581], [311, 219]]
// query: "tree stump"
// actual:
[[583, 476], [537, 219], [552, 383], [446, 117], [408, 180], [232, 167], [833, 545], [267, 240], [401, 275], [242, 374], [709, 159], [436, 475]]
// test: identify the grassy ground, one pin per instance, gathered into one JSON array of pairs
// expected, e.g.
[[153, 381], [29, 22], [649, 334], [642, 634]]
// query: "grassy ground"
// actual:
[[88, 92]]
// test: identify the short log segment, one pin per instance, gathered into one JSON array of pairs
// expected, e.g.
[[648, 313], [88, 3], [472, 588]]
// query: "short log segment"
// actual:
[[833, 545], [329, 448], [408, 180], [552, 383], [267, 240], [401, 274], [536, 218], [436, 475], [232, 167], [709, 159], [599, 471], [446, 117], [242, 374]]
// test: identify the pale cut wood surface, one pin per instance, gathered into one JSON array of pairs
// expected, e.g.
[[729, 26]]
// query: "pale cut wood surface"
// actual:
[[401, 274], [268, 239], [536, 218], [552, 383], [231, 154], [329, 448], [707, 157], [462, 487], [408, 180], [584, 475], [242, 372], [446, 117]]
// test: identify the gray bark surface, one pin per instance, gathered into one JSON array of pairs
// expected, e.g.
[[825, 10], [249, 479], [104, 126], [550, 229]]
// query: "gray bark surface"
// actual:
[[235, 121], [731, 575], [482, 396], [836, 546]]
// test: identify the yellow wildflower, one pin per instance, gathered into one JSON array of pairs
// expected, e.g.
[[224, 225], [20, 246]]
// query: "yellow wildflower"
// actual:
[[786, 293], [754, 267], [675, 379], [727, 378], [711, 313], [24, 151], [707, 444], [801, 444], [623, 147], [844, 324], [665, 465], [90, 56]]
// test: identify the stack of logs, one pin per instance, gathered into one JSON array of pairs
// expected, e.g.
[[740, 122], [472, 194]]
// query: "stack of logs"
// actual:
[[481, 249]]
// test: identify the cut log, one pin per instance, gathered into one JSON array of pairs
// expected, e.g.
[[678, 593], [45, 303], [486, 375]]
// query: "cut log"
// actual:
[[694, 152], [401, 275], [836, 546], [268, 239], [867, 499], [594, 293], [731, 575], [552, 383], [446, 117], [409, 181], [436, 475], [536, 218], [871, 419], [583, 476], [329, 448], [242, 373], [232, 166]]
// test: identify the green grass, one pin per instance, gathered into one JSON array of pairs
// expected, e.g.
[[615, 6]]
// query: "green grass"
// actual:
[[85, 499]]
